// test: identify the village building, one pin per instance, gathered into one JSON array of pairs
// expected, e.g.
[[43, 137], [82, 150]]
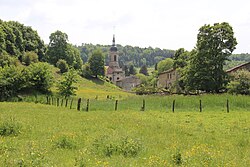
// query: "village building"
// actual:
[[167, 78], [129, 82], [116, 74], [245, 66]]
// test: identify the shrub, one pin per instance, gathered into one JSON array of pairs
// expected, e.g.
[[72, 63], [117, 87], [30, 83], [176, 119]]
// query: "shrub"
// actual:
[[12, 80], [10, 127], [41, 78], [64, 142], [177, 159], [29, 57], [62, 65], [240, 83], [127, 147], [86, 72]]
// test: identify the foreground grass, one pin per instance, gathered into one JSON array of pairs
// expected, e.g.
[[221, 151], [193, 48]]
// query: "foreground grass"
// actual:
[[56, 136]]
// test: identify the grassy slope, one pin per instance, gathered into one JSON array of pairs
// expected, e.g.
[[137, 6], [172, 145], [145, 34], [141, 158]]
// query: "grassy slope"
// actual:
[[211, 138]]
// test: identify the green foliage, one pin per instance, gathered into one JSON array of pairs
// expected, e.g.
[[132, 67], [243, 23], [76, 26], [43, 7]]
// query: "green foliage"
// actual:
[[240, 83], [30, 57], [10, 127], [129, 54], [177, 159], [64, 142], [62, 65], [59, 48], [165, 65], [214, 45], [40, 77], [11, 81], [65, 86], [7, 60], [15, 39], [144, 70], [86, 72], [125, 146], [96, 63], [132, 70]]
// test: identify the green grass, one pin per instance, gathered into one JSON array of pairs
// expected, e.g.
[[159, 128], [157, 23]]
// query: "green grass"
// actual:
[[58, 136]]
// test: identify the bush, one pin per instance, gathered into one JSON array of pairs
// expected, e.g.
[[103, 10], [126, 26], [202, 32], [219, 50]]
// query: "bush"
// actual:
[[29, 57], [7, 60], [10, 127], [240, 83], [86, 72], [62, 65], [41, 78], [64, 142], [12, 81], [127, 147]]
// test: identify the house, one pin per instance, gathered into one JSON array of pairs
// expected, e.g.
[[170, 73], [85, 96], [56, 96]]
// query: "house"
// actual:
[[128, 83], [167, 78], [245, 66]]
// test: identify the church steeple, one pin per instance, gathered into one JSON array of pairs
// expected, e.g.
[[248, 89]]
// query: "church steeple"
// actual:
[[113, 41]]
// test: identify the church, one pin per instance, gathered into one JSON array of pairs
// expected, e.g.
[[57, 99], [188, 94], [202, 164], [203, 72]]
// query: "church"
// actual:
[[116, 74]]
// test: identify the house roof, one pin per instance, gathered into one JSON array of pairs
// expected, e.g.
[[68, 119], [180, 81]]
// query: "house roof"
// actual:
[[168, 71], [237, 67]]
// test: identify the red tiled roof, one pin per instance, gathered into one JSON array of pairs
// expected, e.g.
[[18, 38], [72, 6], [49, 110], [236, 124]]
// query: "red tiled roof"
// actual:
[[237, 67]]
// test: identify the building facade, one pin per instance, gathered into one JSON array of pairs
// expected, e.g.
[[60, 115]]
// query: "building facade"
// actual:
[[167, 78]]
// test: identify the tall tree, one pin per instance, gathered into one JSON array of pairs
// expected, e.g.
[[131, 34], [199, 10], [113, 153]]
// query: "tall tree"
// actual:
[[214, 45], [132, 70], [96, 63], [144, 70], [165, 65], [57, 48]]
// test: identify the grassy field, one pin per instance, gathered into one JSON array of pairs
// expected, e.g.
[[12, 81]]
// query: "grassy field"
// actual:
[[45, 135]]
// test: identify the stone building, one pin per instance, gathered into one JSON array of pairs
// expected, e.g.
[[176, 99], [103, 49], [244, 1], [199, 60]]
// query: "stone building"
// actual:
[[114, 73], [245, 66], [129, 82], [167, 78]]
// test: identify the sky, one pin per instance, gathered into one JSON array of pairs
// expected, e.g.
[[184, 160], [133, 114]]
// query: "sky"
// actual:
[[166, 24]]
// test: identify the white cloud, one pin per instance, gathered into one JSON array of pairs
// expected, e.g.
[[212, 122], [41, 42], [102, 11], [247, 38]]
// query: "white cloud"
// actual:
[[167, 24]]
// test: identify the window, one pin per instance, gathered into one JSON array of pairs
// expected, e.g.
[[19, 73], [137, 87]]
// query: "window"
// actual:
[[110, 79], [118, 78], [115, 57]]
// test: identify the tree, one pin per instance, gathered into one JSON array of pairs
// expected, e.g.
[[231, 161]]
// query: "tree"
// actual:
[[59, 48], [65, 86], [40, 77], [126, 70], [30, 57], [240, 83], [62, 65], [214, 45], [144, 70], [96, 63], [165, 65], [180, 58], [132, 70]]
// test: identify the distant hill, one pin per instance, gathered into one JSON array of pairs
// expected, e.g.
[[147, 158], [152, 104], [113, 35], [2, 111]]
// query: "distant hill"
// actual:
[[237, 59]]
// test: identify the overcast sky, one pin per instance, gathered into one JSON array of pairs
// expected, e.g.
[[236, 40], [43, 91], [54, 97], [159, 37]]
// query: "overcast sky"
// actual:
[[169, 24]]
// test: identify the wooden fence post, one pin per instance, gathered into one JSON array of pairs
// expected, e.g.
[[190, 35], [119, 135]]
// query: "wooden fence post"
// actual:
[[66, 103], [57, 101], [227, 106], [143, 105], [87, 107], [116, 103], [62, 103], [47, 97], [52, 100], [200, 106], [173, 105], [71, 103], [79, 104]]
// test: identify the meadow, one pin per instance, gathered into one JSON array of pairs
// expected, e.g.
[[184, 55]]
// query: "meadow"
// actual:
[[34, 134]]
